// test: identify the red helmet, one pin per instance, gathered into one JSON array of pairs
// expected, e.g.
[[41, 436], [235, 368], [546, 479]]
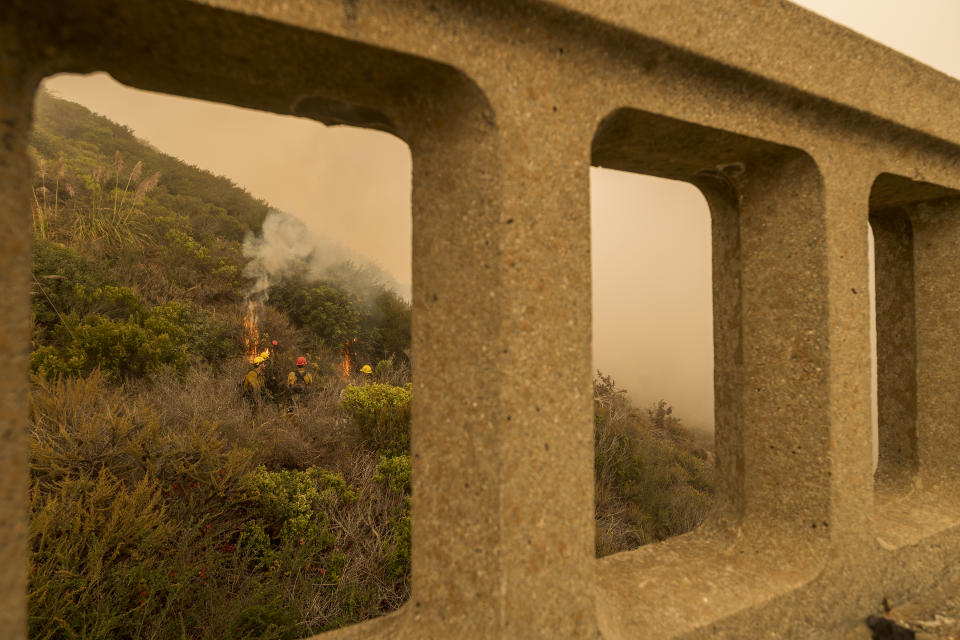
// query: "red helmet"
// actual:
[[301, 361]]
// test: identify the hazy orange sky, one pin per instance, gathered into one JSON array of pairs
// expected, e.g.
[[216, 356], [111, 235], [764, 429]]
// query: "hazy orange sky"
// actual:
[[652, 292]]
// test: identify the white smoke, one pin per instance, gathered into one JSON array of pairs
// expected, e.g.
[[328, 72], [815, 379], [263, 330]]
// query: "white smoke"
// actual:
[[285, 245]]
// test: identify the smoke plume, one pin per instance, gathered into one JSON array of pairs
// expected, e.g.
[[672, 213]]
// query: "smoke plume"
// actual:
[[286, 246]]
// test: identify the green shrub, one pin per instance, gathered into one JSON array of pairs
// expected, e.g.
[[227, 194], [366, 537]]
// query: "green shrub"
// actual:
[[117, 303], [293, 505], [62, 276], [97, 552], [391, 331], [123, 348], [288, 500], [110, 328], [382, 412], [181, 247], [394, 472], [397, 548], [323, 309], [204, 334], [254, 541]]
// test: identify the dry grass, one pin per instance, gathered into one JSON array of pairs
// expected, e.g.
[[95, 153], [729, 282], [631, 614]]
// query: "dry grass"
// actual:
[[317, 433], [652, 480], [139, 504], [158, 467]]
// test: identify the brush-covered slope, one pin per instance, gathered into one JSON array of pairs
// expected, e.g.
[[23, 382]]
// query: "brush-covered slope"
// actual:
[[141, 262]]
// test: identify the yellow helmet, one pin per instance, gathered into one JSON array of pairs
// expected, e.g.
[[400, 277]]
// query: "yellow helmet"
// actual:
[[263, 357], [366, 369]]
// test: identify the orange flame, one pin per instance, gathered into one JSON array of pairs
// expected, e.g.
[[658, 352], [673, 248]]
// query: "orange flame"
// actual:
[[251, 330], [345, 363]]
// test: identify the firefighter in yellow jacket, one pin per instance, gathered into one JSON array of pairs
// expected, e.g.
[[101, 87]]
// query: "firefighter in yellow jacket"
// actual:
[[254, 384]]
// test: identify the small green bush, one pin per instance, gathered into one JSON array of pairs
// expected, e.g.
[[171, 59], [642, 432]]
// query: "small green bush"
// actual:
[[61, 276], [293, 504], [117, 303], [204, 334], [289, 502], [394, 472], [110, 328], [122, 348], [382, 412], [397, 548], [381, 368]]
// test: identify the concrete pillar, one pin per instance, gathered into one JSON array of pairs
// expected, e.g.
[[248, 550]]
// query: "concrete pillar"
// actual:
[[502, 437], [785, 355], [728, 349], [16, 93]]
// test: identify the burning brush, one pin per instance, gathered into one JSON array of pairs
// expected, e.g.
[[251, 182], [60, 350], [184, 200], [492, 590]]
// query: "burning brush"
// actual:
[[345, 360], [251, 333]]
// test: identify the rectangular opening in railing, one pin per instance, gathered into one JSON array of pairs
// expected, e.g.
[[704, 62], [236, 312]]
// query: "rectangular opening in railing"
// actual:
[[653, 352], [916, 227], [770, 385], [221, 360]]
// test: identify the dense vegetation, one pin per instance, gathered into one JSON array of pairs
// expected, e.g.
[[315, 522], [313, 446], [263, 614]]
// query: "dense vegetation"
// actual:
[[139, 262], [165, 504], [206, 517]]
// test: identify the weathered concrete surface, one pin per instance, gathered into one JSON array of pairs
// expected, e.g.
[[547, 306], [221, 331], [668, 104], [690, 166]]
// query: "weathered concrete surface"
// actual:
[[505, 106], [16, 95], [933, 616]]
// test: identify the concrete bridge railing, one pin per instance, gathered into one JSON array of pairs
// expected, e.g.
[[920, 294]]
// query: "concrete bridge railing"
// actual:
[[797, 131]]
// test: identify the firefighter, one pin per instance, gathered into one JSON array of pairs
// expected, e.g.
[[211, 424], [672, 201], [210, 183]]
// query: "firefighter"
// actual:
[[254, 384], [366, 375], [298, 382], [273, 375]]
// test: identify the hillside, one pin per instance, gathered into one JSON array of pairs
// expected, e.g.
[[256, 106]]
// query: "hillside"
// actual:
[[153, 221], [135, 247]]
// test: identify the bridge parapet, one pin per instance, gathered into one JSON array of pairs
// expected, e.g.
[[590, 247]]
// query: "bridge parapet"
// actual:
[[505, 106]]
